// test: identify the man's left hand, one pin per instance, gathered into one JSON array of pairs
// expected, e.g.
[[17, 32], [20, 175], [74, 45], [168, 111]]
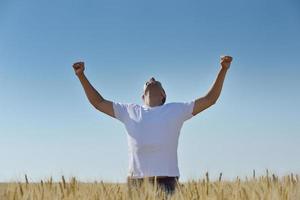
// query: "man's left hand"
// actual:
[[225, 61]]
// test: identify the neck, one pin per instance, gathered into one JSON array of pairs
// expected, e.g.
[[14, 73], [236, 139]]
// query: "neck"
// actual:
[[153, 104]]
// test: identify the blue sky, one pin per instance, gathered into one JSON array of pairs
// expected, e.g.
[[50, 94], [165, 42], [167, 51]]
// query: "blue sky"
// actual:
[[48, 128]]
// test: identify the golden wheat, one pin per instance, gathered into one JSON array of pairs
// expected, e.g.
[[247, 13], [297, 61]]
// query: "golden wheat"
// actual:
[[264, 187]]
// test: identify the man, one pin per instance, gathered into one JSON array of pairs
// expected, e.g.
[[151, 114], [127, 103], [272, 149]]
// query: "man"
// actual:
[[153, 128]]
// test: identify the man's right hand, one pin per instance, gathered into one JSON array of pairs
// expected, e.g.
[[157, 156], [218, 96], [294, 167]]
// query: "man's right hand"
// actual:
[[78, 68]]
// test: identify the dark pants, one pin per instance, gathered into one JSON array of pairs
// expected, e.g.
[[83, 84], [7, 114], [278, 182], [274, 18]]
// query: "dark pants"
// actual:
[[168, 184]]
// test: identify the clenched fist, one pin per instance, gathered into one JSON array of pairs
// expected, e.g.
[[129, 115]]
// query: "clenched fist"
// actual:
[[78, 68], [225, 61]]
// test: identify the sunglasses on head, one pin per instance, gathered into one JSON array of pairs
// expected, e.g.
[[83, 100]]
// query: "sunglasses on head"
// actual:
[[156, 82]]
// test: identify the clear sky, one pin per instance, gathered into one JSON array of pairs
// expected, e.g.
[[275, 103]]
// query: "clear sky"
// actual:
[[48, 128]]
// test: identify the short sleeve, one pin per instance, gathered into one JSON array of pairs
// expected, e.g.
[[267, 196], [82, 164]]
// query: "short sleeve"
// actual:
[[121, 111], [185, 110]]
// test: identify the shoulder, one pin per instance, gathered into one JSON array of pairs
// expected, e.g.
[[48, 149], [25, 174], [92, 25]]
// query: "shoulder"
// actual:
[[123, 110], [183, 110]]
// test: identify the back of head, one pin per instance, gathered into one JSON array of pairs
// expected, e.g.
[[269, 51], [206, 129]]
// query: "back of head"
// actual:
[[151, 82]]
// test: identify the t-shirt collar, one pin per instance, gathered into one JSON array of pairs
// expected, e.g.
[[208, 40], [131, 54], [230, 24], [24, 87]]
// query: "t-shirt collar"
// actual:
[[146, 106]]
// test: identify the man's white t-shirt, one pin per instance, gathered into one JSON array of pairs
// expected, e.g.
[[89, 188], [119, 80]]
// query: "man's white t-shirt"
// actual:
[[152, 135]]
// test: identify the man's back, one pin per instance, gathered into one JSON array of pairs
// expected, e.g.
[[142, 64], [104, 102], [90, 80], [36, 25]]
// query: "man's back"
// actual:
[[152, 134]]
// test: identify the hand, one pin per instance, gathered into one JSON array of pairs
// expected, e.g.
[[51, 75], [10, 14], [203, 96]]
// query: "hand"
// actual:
[[78, 68], [225, 61]]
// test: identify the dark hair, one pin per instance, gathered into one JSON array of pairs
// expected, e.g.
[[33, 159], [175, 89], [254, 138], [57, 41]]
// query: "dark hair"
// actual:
[[163, 101]]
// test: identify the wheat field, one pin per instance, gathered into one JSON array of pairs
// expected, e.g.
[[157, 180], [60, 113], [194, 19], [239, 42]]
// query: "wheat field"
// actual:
[[265, 187]]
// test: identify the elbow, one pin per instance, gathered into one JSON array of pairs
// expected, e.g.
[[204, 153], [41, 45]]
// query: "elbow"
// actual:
[[212, 101], [97, 104], [93, 103]]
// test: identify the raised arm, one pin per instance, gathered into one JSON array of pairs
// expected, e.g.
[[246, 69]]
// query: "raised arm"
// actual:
[[211, 97], [93, 96]]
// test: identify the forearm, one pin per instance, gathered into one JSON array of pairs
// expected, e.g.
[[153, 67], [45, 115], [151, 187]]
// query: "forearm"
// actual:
[[93, 96], [215, 90]]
